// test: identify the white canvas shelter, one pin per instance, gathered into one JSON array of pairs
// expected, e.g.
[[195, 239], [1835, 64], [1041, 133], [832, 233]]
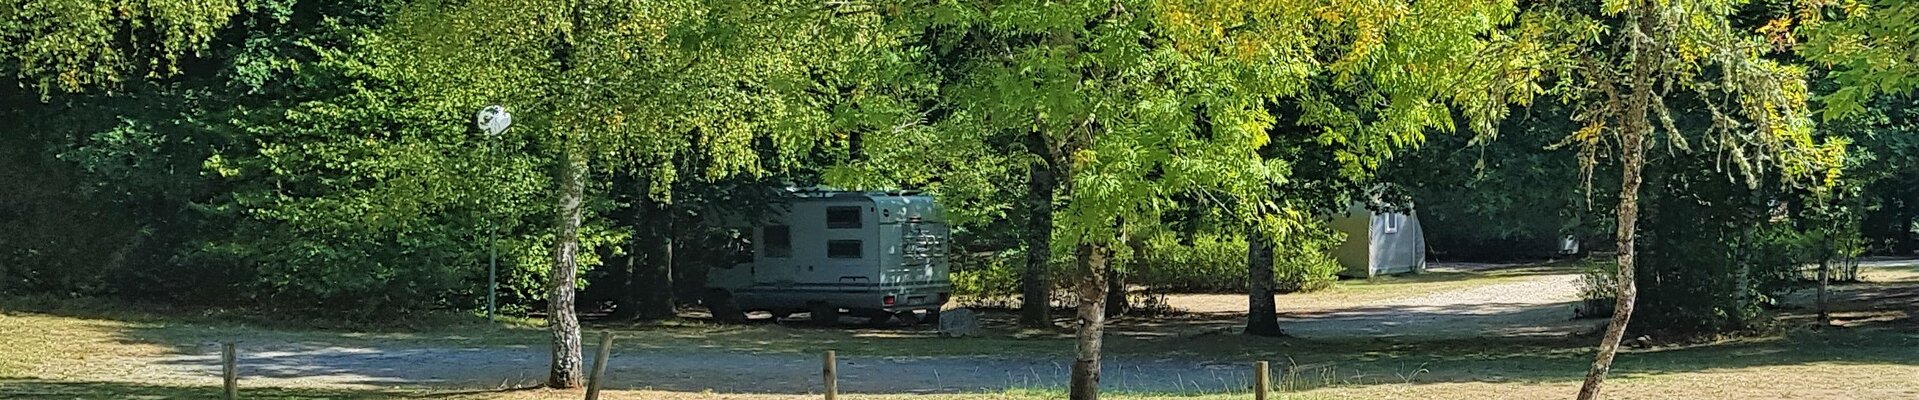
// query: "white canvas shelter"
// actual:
[[1379, 243]]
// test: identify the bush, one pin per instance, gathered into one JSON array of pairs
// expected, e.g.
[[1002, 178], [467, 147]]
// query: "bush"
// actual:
[[988, 275], [1598, 285], [1163, 263], [1215, 263], [1712, 254], [1210, 263]]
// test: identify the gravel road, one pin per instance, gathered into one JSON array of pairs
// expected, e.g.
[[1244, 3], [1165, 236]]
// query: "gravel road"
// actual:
[[1533, 305], [465, 368]]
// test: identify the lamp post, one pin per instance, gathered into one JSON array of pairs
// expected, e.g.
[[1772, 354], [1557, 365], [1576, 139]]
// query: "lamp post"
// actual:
[[492, 120]]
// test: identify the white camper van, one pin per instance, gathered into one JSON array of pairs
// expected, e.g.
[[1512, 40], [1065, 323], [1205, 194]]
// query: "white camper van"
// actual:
[[875, 255]]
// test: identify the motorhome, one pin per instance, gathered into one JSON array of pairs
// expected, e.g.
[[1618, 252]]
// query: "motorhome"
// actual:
[[873, 255]]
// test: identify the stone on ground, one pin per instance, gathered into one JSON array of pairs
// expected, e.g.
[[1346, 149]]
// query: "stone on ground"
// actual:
[[959, 322]]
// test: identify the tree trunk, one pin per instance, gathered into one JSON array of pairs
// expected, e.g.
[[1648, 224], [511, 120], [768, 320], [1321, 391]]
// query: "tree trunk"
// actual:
[[1907, 242], [1634, 126], [661, 303], [1116, 304], [647, 293], [1091, 289], [632, 265], [1262, 312], [1036, 308], [1825, 274], [565, 372], [655, 291]]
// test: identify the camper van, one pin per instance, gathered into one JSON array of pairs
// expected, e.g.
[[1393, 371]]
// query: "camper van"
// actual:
[[873, 255]]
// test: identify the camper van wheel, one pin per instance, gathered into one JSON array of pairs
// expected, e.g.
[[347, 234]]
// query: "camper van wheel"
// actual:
[[824, 315], [908, 317], [875, 318], [721, 304]]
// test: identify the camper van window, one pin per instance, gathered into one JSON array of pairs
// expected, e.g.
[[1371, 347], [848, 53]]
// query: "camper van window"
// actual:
[[1392, 223], [779, 241], [843, 249], [843, 217]]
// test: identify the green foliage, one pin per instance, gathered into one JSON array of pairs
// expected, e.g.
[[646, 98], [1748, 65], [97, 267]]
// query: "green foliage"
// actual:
[[1695, 79], [1882, 169], [1503, 199], [1868, 44], [1205, 263], [1598, 283], [993, 275], [316, 156], [1702, 60], [1217, 263], [1714, 254], [1166, 262], [74, 44]]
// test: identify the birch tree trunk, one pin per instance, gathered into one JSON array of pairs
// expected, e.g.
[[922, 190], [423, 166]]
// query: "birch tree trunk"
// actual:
[[1634, 127], [1091, 290], [1262, 312], [565, 371]]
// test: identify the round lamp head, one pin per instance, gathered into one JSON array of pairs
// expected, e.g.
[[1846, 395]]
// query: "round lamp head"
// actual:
[[493, 119]]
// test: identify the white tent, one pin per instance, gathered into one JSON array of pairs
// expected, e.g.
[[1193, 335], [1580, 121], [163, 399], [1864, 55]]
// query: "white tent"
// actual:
[[1379, 243]]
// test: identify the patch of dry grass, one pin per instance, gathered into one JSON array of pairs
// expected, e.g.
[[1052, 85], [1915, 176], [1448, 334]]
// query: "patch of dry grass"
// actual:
[[39, 345]]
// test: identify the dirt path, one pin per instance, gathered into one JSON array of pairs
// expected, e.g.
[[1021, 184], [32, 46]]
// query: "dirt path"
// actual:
[[1528, 305]]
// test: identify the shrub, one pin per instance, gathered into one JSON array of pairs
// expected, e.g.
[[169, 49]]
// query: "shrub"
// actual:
[[1216, 263], [1597, 290]]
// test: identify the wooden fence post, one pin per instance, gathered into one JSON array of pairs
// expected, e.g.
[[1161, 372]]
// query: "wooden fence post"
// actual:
[[599, 366], [230, 370], [1262, 381], [829, 370]]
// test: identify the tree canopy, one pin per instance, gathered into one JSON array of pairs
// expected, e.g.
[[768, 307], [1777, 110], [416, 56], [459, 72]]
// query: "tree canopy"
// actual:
[[318, 157]]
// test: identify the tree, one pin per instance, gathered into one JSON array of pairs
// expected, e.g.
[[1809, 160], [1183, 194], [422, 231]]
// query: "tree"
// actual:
[[1502, 199], [1619, 62], [1148, 105], [1262, 311], [634, 83], [75, 44], [1391, 73], [1036, 287], [172, 147], [1117, 102], [1867, 43], [1868, 48], [70, 47]]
